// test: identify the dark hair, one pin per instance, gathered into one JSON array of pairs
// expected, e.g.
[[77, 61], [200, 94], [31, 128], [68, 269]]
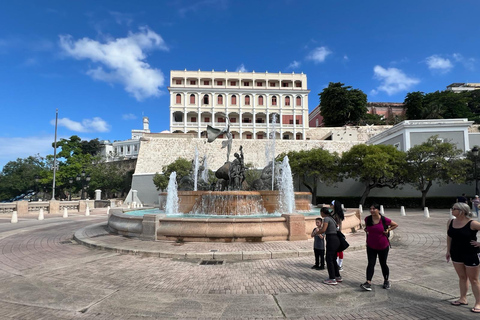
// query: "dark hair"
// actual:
[[318, 219], [338, 210], [325, 211], [375, 205]]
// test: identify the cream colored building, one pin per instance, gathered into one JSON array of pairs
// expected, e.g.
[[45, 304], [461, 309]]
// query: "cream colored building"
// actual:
[[250, 100]]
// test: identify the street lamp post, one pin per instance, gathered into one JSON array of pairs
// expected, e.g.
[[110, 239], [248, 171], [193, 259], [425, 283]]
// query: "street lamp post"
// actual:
[[475, 155], [70, 183], [85, 179], [37, 180]]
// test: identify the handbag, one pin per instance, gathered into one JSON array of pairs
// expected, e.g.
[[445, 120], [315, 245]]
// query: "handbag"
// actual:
[[343, 242]]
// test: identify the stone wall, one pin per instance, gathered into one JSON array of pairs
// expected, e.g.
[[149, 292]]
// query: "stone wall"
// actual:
[[158, 152]]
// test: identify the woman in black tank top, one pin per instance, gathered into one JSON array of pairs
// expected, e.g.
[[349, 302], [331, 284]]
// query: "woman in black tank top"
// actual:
[[463, 249]]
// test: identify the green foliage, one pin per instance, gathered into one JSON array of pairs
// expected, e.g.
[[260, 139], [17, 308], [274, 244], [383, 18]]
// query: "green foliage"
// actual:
[[340, 105], [181, 166], [19, 176], [313, 165], [441, 105], [435, 161], [376, 166]]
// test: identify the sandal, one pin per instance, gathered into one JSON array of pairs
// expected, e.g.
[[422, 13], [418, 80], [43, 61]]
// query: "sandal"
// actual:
[[475, 310], [459, 303]]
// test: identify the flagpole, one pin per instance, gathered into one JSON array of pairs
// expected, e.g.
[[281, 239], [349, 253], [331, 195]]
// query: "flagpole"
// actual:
[[55, 155]]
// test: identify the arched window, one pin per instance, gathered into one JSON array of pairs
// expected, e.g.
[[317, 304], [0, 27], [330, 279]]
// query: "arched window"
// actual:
[[205, 99], [298, 101], [220, 99], [260, 100], [178, 98], [234, 99], [274, 101], [192, 99], [287, 101], [247, 100]]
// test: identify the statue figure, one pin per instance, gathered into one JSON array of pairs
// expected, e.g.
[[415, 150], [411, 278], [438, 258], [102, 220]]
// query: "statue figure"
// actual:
[[237, 171], [213, 133]]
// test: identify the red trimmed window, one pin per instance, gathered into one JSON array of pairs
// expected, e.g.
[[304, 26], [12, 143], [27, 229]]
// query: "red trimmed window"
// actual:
[[192, 99], [234, 99], [193, 82], [219, 83], [249, 136], [274, 101], [299, 101], [178, 81], [220, 99], [178, 98], [287, 101], [259, 84], [206, 82], [247, 100], [233, 83], [260, 100]]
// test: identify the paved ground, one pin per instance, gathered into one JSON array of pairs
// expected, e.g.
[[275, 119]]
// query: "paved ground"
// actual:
[[44, 274]]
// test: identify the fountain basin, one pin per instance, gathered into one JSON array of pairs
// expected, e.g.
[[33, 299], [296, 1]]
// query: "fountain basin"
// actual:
[[234, 203], [288, 227]]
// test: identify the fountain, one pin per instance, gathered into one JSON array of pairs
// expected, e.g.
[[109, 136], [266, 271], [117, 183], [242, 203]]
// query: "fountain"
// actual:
[[171, 206], [231, 212]]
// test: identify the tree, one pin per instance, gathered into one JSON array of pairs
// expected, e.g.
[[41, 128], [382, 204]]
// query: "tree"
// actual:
[[435, 161], [340, 105], [181, 166], [312, 166], [19, 176], [376, 166], [414, 104]]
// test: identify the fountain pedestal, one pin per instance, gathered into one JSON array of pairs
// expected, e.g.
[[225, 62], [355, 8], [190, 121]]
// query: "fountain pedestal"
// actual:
[[296, 226]]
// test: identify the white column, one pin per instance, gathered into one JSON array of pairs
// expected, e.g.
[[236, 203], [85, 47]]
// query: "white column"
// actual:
[[253, 114], [294, 104], [187, 96], [240, 103], [199, 112], [279, 121]]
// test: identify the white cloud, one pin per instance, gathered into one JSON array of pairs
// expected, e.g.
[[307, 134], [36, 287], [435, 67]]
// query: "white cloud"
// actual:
[[16, 147], [468, 63], [129, 116], [438, 63], [87, 125], [319, 54], [393, 80], [123, 60], [294, 65], [241, 68]]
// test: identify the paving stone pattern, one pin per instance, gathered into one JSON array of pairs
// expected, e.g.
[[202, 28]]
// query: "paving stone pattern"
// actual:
[[44, 274]]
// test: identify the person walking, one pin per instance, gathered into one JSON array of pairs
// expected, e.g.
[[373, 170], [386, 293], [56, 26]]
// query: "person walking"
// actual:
[[463, 249], [338, 215], [329, 227], [475, 203], [318, 246], [377, 228]]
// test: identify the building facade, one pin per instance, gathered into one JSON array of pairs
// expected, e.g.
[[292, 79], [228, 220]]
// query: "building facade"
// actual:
[[256, 104], [124, 149], [462, 87]]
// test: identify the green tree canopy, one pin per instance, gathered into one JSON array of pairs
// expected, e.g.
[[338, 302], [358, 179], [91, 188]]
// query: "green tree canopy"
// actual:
[[19, 176], [376, 166], [435, 161], [311, 166], [440, 105], [340, 105], [181, 166]]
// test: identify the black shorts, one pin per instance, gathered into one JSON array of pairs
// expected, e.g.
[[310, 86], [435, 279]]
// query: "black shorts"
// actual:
[[468, 259]]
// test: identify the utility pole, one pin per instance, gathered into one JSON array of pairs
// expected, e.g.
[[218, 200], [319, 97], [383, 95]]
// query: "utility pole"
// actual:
[[55, 155]]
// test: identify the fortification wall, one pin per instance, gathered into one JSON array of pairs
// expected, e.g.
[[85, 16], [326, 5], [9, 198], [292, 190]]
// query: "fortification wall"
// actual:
[[156, 152]]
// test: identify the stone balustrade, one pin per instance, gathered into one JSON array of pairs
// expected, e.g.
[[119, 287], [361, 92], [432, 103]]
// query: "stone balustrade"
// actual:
[[52, 206]]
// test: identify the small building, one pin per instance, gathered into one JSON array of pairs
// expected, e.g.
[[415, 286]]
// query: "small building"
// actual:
[[409, 133], [124, 149], [462, 87]]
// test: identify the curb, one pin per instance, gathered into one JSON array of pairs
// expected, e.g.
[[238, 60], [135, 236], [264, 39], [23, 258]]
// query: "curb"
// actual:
[[80, 237]]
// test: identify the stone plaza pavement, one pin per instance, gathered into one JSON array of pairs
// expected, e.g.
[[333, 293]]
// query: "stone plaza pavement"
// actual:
[[46, 274]]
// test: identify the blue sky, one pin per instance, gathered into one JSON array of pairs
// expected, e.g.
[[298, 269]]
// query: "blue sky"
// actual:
[[105, 64]]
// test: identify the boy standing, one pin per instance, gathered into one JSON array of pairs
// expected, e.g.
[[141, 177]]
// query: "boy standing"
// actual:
[[318, 246]]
